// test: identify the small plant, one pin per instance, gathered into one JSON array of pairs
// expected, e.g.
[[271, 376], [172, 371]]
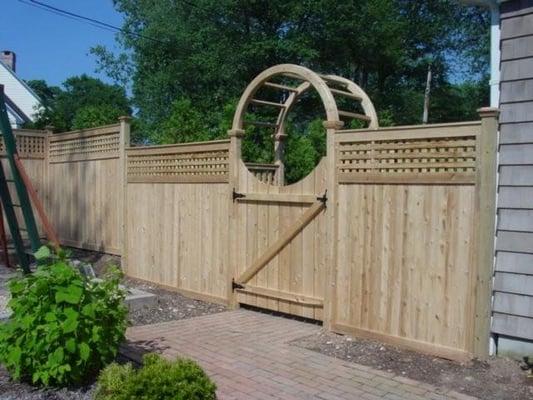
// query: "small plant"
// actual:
[[64, 327], [158, 379]]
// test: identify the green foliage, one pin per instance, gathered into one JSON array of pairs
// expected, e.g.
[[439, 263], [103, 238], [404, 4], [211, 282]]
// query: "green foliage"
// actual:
[[185, 124], [158, 379], [300, 158], [82, 101], [208, 50], [64, 327], [95, 115], [304, 151]]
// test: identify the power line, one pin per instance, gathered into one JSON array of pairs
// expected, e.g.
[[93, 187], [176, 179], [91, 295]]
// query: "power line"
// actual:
[[91, 21], [64, 15]]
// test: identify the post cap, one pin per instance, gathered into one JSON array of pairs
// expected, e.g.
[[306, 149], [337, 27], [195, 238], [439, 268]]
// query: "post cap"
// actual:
[[124, 118], [333, 124], [488, 112], [236, 132], [49, 128]]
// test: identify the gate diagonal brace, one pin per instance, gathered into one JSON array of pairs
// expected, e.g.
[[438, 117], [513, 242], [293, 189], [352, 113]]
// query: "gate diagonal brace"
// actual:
[[237, 195]]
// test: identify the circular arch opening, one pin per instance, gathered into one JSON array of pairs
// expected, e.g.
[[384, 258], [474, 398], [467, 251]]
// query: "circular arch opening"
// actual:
[[262, 114]]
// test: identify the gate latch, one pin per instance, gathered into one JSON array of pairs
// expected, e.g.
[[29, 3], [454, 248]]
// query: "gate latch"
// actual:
[[235, 285], [237, 195], [324, 197]]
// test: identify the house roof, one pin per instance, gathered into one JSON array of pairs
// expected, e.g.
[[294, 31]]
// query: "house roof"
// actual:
[[29, 89], [21, 101]]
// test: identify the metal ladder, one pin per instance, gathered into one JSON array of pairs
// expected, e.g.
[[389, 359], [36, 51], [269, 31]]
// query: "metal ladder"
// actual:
[[30, 227]]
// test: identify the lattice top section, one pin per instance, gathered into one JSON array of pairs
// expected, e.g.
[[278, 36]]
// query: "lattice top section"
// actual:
[[84, 146], [422, 160], [202, 162], [28, 146]]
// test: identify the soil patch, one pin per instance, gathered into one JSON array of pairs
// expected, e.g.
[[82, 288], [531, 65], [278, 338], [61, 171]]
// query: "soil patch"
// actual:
[[497, 378]]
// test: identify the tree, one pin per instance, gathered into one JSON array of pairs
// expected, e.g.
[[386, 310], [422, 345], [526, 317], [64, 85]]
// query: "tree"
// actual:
[[207, 50], [47, 95], [93, 116], [189, 61], [83, 102], [184, 124]]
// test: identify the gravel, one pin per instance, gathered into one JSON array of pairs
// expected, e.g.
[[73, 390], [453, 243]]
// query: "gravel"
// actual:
[[170, 306], [10, 390], [498, 378]]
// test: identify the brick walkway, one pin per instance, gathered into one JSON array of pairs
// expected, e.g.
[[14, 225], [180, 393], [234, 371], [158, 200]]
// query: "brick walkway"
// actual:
[[249, 356]]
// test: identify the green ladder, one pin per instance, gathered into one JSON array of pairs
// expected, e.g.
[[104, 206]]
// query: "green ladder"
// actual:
[[21, 191]]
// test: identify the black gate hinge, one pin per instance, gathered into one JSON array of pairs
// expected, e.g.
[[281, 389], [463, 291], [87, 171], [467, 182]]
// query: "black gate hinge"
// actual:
[[324, 197], [235, 285], [237, 195]]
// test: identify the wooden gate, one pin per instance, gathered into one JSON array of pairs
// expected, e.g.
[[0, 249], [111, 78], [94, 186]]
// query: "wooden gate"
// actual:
[[280, 243]]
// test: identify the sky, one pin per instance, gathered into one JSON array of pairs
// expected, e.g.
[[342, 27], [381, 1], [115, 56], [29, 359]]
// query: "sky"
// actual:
[[52, 47]]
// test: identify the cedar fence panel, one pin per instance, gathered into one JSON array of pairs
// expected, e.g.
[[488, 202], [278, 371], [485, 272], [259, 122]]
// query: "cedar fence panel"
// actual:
[[177, 201], [408, 257], [84, 199]]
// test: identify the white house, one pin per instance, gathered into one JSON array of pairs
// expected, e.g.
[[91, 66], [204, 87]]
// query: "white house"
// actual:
[[21, 101]]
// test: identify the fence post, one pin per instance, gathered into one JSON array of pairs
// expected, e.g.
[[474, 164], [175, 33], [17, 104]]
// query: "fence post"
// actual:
[[47, 184], [486, 159], [234, 158], [124, 142], [331, 224], [279, 154]]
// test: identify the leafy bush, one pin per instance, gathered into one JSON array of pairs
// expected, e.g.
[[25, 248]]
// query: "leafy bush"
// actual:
[[95, 115], [158, 379], [64, 327]]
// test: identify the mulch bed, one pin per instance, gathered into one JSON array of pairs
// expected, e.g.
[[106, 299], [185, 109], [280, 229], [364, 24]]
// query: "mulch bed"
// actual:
[[497, 378], [10, 390], [170, 306]]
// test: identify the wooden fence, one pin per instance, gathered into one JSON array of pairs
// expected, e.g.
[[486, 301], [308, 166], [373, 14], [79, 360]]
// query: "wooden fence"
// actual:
[[177, 216], [78, 177], [390, 237], [410, 202], [31, 146], [85, 188]]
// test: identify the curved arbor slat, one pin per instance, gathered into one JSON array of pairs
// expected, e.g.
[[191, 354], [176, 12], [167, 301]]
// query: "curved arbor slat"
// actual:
[[309, 79]]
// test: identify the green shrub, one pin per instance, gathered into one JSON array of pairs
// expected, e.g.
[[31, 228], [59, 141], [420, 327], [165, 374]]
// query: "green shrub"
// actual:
[[64, 327], [158, 379]]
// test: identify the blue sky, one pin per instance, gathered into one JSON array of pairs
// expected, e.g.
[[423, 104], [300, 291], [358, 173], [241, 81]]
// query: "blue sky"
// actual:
[[52, 47]]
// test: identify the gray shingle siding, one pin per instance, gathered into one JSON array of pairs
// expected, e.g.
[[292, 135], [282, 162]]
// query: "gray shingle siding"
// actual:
[[513, 279]]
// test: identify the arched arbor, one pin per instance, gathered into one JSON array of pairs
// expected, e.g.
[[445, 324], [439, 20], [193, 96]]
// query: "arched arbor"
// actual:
[[329, 89]]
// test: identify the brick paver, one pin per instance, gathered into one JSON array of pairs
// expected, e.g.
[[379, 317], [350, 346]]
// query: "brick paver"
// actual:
[[249, 356]]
